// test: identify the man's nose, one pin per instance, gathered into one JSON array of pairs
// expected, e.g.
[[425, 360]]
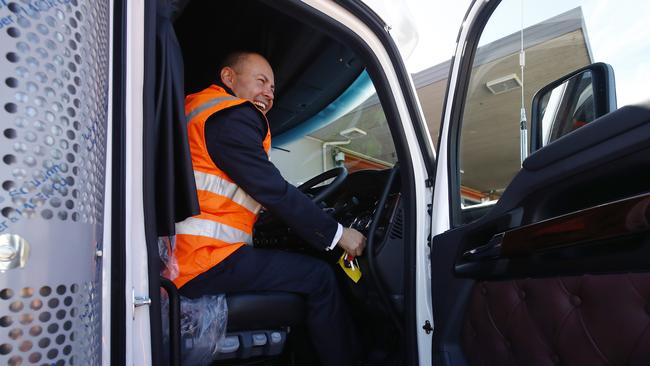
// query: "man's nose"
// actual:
[[268, 94]]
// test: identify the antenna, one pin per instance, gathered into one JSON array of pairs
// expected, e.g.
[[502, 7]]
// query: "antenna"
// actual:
[[523, 129]]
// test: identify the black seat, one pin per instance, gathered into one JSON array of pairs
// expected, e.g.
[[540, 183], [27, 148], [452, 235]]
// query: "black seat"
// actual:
[[264, 310], [258, 324]]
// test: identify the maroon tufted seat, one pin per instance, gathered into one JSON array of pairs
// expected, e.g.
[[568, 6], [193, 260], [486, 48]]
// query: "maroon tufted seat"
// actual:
[[587, 320]]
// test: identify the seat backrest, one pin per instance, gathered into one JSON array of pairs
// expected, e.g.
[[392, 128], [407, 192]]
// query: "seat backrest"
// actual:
[[583, 320]]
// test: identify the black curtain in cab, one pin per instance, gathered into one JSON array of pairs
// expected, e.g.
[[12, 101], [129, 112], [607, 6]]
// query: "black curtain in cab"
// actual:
[[169, 190], [173, 183]]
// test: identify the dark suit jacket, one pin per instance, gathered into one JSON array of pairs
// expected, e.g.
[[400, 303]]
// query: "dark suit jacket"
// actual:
[[234, 138]]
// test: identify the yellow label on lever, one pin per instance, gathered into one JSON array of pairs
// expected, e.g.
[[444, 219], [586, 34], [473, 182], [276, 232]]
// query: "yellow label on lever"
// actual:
[[350, 267]]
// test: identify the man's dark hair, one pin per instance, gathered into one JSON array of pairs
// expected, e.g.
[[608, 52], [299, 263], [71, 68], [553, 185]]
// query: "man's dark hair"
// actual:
[[233, 59]]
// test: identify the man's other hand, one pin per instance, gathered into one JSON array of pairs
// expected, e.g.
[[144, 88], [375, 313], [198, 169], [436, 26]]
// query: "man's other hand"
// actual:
[[352, 241]]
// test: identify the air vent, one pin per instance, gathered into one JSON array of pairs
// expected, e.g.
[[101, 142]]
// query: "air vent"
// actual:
[[504, 84], [397, 229]]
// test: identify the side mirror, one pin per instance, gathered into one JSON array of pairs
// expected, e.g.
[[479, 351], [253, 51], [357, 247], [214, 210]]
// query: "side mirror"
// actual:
[[571, 102]]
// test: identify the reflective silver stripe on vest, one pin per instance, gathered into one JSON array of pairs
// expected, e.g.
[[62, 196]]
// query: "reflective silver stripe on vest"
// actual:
[[208, 104], [213, 229], [220, 186]]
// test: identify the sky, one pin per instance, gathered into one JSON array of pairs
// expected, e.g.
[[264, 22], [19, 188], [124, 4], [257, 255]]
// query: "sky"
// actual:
[[426, 31]]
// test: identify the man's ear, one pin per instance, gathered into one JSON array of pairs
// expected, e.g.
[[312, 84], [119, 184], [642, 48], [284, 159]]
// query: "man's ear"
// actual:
[[227, 76]]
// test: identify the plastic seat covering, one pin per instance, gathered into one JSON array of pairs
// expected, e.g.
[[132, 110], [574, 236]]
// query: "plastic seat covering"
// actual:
[[585, 320]]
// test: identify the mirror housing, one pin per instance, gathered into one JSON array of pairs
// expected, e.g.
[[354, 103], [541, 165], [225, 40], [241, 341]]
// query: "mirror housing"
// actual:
[[570, 102]]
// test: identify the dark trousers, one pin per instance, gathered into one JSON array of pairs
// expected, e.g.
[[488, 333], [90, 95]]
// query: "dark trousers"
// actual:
[[250, 269]]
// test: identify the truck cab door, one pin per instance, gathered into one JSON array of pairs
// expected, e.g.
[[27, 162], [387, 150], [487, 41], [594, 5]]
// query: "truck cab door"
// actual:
[[546, 262]]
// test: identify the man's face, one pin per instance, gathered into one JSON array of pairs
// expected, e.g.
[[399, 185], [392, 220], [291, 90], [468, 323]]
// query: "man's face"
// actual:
[[251, 79]]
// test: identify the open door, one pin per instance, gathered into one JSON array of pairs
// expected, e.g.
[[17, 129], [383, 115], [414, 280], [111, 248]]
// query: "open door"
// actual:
[[550, 268]]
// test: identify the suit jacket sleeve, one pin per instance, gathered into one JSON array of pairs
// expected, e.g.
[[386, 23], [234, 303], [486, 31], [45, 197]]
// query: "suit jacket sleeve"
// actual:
[[235, 138]]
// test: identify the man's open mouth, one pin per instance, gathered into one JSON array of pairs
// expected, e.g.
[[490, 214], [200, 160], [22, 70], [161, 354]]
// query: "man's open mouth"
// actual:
[[261, 106]]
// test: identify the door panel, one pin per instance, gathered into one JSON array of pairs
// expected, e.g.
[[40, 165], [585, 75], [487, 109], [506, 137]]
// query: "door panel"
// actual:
[[556, 272], [535, 306], [583, 320], [598, 165]]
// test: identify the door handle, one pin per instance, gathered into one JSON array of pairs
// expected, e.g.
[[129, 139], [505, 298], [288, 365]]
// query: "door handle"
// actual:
[[490, 250]]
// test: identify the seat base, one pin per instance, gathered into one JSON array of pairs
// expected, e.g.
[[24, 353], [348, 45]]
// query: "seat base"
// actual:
[[258, 325], [264, 310], [258, 343]]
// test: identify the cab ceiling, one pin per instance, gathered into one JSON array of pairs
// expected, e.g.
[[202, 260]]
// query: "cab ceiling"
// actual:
[[311, 69]]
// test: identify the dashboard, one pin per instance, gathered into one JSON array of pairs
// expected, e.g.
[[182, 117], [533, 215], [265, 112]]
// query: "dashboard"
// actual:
[[353, 205], [357, 203]]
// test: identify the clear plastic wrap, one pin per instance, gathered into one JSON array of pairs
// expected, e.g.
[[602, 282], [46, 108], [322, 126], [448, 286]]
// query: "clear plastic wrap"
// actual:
[[166, 247], [203, 327]]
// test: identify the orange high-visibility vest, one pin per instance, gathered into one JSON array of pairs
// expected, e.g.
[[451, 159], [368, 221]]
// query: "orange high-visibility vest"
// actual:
[[227, 212]]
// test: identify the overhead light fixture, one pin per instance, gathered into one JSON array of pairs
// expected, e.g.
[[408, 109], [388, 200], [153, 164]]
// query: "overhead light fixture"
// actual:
[[353, 133], [504, 84]]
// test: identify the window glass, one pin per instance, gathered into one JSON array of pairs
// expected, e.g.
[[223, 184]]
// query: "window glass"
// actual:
[[354, 134], [559, 36]]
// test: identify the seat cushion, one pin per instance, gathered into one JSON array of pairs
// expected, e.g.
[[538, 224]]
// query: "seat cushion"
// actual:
[[264, 310]]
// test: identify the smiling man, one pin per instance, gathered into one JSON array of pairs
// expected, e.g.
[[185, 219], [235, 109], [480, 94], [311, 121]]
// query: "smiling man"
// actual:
[[229, 141]]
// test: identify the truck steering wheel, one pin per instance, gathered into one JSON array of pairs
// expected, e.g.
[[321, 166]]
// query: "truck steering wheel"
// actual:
[[267, 222], [339, 174]]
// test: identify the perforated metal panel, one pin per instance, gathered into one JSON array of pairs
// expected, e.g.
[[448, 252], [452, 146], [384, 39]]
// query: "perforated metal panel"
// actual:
[[54, 99]]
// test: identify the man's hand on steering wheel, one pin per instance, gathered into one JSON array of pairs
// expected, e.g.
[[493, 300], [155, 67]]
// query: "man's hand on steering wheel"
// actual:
[[352, 241]]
